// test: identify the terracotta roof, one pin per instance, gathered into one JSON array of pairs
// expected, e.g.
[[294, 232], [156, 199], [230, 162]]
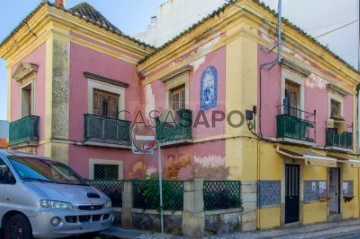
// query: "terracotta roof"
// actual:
[[222, 9], [84, 11], [88, 12]]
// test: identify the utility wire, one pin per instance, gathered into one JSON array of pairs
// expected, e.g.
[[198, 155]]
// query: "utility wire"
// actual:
[[338, 28], [328, 25]]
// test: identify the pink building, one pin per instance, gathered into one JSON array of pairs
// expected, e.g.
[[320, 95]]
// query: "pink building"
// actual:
[[286, 129]]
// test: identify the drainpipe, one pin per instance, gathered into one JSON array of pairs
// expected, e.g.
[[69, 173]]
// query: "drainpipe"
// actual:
[[358, 28], [358, 118], [358, 132], [272, 63]]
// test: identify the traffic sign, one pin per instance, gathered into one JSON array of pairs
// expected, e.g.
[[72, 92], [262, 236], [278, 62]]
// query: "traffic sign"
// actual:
[[143, 139]]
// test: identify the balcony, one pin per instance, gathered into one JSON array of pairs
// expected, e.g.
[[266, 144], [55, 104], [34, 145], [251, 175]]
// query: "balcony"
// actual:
[[24, 131], [99, 130], [168, 134], [343, 141], [293, 128]]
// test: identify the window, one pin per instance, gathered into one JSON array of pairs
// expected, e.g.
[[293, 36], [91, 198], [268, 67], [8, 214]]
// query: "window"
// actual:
[[105, 169], [177, 88], [25, 74], [105, 103], [335, 109], [292, 99], [6, 176], [292, 93], [27, 99], [177, 98], [105, 99], [335, 106]]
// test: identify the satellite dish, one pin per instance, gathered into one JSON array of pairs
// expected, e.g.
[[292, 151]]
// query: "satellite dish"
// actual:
[[169, 116]]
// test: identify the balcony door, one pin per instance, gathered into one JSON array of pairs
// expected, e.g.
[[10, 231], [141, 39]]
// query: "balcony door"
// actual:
[[105, 103], [27, 100], [177, 98], [292, 99]]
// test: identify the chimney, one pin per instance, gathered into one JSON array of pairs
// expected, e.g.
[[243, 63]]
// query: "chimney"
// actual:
[[60, 3]]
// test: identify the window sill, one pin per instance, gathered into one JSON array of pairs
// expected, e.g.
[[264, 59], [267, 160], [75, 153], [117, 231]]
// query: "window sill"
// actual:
[[340, 149], [24, 144], [106, 145]]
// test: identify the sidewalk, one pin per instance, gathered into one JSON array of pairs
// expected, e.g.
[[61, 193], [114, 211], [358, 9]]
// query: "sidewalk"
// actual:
[[333, 230]]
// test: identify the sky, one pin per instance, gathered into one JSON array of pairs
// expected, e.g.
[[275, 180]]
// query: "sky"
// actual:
[[332, 22], [130, 16]]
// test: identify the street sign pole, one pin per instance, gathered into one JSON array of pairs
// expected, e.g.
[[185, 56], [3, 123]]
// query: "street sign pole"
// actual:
[[160, 188], [143, 141]]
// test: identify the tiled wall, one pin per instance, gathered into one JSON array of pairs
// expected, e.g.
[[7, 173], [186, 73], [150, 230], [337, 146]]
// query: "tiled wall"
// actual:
[[313, 189], [269, 193]]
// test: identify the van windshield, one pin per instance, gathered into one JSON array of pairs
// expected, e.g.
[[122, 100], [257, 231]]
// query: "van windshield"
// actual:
[[42, 170]]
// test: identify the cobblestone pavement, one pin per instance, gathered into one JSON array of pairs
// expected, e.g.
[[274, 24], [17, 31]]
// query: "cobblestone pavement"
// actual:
[[346, 229]]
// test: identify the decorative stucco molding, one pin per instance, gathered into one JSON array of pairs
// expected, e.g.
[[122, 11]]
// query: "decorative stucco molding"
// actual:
[[337, 89], [176, 72], [295, 67], [105, 79], [24, 70]]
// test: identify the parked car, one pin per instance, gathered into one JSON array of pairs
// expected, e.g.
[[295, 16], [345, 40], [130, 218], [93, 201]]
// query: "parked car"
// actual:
[[43, 198]]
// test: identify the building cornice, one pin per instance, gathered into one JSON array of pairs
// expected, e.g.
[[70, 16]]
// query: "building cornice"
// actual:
[[72, 23], [47, 17], [233, 21]]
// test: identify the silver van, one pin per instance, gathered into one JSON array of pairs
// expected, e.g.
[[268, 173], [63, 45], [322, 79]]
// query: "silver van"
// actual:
[[42, 198]]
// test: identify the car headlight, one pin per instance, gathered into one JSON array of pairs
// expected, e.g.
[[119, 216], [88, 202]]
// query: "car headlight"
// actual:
[[56, 204], [108, 204]]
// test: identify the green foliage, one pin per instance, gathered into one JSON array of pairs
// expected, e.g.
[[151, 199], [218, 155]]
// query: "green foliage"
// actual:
[[221, 195], [147, 194]]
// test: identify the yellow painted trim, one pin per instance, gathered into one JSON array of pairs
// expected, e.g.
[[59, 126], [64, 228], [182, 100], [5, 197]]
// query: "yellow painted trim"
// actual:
[[231, 19], [15, 59], [48, 96], [36, 25], [104, 50], [48, 17], [9, 92], [223, 137], [75, 24], [228, 38]]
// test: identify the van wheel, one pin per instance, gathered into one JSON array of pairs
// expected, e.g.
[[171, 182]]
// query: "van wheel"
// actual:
[[18, 227]]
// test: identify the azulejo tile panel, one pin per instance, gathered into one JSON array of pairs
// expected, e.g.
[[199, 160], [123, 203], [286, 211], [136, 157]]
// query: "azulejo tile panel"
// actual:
[[314, 189], [269, 193]]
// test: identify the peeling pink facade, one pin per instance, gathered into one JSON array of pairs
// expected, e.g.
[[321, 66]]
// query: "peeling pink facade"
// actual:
[[316, 97]]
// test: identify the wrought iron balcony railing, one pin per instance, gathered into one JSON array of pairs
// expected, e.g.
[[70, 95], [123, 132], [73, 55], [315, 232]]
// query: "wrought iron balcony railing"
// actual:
[[181, 131], [294, 124], [24, 130], [106, 130], [343, 140]]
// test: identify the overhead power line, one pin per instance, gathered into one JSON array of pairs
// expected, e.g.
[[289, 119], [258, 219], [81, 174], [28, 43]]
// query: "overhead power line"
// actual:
[[335, 29]]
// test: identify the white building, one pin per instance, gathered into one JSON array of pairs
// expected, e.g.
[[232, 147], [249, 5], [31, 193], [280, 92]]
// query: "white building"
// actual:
[[334, 23], [175, 16]]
